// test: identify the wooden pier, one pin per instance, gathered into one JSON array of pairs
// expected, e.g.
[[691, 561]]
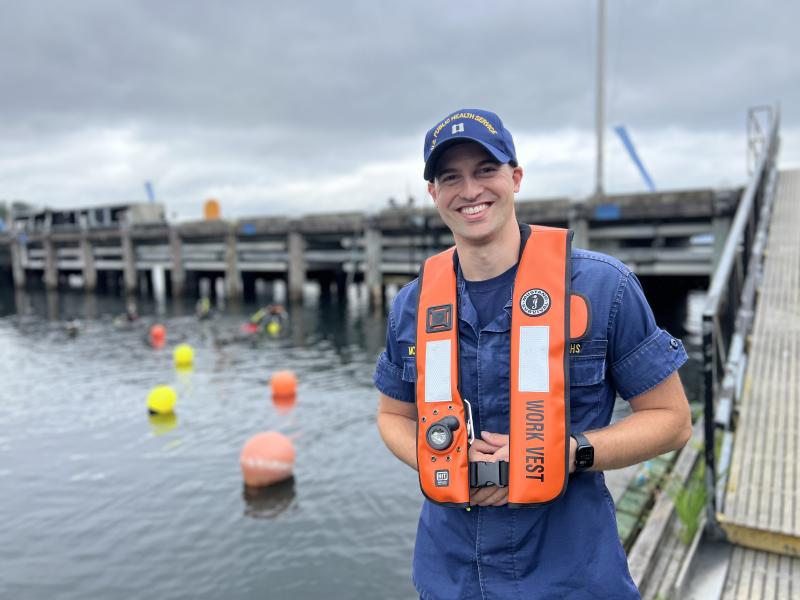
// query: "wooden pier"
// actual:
[[745, 544], [675, 233], [761, 509]]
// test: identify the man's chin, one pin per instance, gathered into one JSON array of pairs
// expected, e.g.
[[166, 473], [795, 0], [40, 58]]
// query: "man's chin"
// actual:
[[477, 234]]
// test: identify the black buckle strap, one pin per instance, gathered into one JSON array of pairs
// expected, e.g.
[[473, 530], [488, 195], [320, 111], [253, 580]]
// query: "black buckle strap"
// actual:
[[485, 474]]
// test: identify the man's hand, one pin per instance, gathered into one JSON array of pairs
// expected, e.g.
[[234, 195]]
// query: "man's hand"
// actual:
[[490, 447]]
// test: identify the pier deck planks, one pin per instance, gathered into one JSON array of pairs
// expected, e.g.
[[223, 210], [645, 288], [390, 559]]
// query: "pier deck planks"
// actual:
[[762, 501]]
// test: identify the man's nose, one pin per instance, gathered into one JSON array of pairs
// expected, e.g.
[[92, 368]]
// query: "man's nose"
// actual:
[[472, 188]]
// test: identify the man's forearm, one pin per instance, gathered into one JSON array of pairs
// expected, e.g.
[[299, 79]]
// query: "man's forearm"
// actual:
[[637, 438], [399, 433]]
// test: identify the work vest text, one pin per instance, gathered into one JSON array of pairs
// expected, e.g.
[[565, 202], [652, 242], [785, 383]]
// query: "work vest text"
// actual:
[[534, 430]]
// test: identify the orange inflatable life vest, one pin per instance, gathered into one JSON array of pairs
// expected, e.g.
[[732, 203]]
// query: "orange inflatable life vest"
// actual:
[[546, 316]]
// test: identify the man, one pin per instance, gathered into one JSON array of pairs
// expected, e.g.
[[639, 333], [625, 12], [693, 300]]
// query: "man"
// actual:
[[567, 546]]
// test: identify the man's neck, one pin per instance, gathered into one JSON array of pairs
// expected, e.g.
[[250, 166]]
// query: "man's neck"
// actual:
[[482, 261]]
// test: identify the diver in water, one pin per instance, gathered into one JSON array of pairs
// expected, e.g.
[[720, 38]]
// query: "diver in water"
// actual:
[[203, 309], [72, 327], [269, 318], [131, 315]]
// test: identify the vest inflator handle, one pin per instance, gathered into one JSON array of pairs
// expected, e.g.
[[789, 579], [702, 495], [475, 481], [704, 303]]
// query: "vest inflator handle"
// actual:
[[440, 434]]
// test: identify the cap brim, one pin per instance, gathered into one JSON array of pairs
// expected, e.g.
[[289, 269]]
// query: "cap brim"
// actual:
[[430, 164]]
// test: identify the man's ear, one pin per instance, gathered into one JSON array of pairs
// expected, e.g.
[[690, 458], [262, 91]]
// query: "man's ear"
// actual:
[[516, 175], [432, 191]]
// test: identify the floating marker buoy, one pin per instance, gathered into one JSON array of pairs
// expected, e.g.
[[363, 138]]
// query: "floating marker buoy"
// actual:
[[273, 328], [284, 404], [158, 335], [283, 384], [161, 400], [162, 424], [267, 458], [183, 355], [268, 502]]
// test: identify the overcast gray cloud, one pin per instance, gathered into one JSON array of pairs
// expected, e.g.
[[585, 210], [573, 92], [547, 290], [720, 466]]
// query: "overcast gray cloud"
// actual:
[[277, 108]]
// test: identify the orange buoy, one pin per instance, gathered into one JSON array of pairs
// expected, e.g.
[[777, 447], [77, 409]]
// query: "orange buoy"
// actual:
[[284, 404], [284, 384], [158, 336], [267, 458]]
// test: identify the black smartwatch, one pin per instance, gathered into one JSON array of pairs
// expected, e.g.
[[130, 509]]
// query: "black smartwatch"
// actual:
[[584, 453]]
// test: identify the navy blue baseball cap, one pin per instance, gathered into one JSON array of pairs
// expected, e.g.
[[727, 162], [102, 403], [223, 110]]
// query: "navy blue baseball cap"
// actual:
[[473, 125]]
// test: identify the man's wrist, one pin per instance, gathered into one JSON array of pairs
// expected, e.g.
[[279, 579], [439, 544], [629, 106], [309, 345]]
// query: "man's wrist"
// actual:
[[584, 453], [572, 446]]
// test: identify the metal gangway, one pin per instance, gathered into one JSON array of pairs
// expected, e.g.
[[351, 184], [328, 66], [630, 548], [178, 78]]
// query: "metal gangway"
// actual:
[[751, 343]]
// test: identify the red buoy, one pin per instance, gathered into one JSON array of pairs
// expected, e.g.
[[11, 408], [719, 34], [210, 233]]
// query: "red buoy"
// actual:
[[158, 336], [283, 384]]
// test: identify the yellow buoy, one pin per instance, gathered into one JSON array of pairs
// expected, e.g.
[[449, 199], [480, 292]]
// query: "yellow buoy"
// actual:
[[183, 355], [161, 400], [273, 328], [162, 424]]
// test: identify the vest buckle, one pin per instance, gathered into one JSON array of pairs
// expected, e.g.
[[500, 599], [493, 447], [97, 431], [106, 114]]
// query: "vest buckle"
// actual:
[[486, 474]]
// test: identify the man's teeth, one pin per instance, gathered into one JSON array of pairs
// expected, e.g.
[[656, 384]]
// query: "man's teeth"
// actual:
[[471, 210]]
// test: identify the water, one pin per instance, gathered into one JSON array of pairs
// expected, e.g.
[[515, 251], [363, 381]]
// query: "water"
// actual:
[[100, 501]]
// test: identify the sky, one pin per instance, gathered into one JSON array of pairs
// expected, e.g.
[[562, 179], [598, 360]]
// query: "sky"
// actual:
[[313, 106]]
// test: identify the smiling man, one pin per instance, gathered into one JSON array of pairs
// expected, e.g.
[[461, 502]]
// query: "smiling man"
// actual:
[[502, 364]]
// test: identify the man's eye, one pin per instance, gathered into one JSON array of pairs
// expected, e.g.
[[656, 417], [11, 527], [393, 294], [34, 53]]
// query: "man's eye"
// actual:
[[448, 178], [487, 170]]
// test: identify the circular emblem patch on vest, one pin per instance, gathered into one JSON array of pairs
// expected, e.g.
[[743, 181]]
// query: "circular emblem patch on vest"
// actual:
[[535, 302]]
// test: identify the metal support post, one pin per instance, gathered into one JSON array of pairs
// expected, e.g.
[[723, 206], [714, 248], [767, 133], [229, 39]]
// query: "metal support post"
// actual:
[[128, 260], [17, 267], [88, 266], [178, 275], [297, 265], [373, 279], [50, 267], [233, 279]]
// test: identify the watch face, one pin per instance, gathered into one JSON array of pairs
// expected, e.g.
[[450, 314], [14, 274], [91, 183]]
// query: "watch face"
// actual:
[[584, 457]]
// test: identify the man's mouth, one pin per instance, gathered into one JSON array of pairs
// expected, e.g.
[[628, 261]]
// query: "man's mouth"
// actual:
[[474, 209]]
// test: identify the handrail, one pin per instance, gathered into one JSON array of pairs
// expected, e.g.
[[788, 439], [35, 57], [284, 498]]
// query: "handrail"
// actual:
[[729, 307], [722, 273]]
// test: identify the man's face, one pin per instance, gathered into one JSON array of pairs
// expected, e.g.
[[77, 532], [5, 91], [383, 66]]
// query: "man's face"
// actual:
[[474, 194]]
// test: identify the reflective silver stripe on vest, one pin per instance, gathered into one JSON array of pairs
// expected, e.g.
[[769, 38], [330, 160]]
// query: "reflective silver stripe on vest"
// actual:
[[437, 371], [534, 368]]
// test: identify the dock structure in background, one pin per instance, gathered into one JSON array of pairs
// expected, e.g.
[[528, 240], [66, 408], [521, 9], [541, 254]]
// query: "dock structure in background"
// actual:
[[673, 233]]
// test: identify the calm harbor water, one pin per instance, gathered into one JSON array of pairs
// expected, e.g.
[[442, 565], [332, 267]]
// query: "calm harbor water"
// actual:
[[102, 502]]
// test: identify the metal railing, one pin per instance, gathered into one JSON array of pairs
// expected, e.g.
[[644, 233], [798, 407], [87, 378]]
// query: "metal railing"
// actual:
[[730, 304]]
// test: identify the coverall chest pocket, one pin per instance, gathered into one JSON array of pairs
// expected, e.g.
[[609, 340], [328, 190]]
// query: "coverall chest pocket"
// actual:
[[410, 369], [587, 363], [587, 373]]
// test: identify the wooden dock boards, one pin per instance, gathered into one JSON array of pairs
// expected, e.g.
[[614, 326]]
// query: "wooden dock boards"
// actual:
[[762, 500], [758, 574]]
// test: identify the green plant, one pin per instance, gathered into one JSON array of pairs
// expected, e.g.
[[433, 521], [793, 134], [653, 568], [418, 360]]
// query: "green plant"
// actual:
[[690, 500]]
